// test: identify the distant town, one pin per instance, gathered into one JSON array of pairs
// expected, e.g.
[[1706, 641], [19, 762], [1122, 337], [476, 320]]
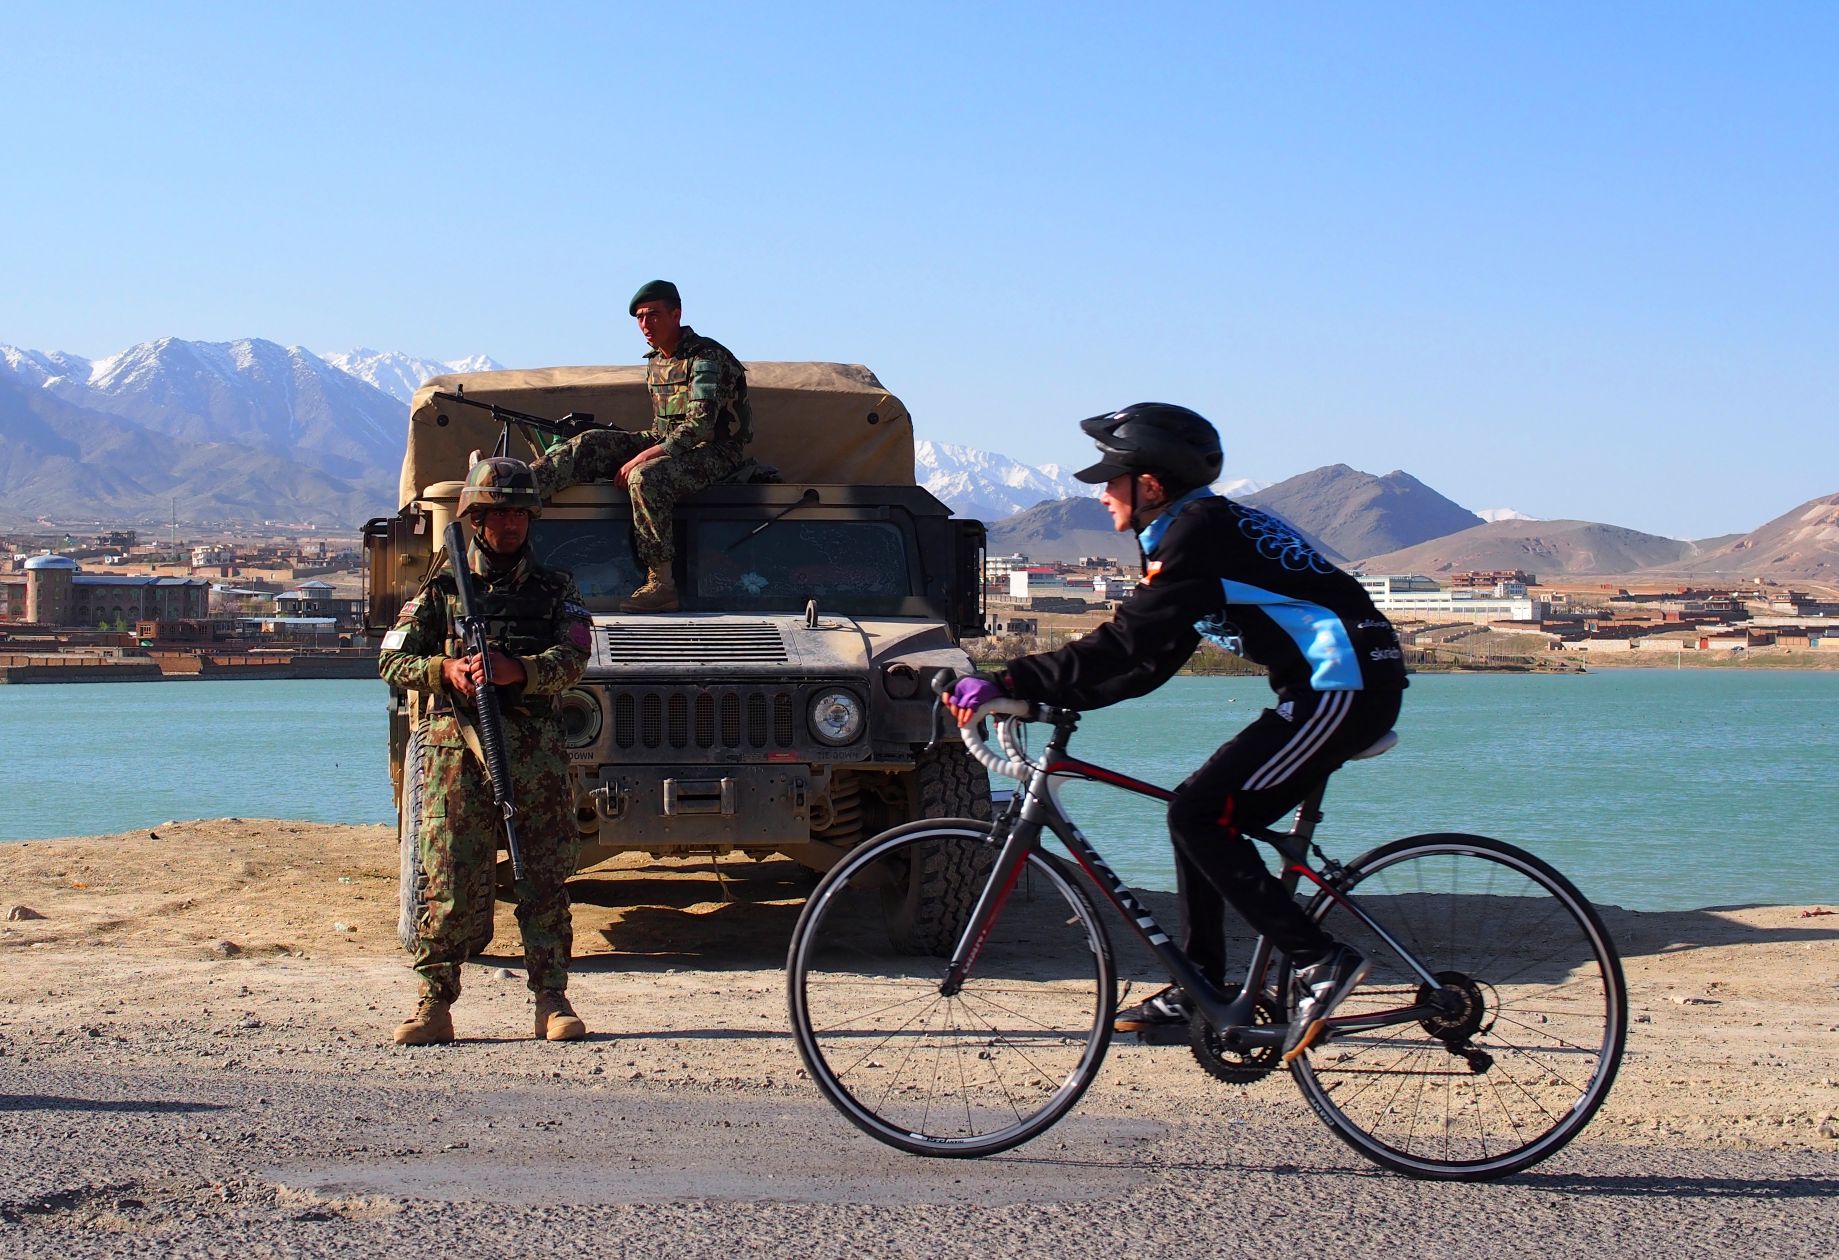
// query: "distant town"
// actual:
[[1484, 619], [121, 605]]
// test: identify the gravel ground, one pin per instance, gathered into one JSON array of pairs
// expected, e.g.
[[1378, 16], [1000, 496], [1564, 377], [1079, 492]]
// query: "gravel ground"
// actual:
[[194, 1061]]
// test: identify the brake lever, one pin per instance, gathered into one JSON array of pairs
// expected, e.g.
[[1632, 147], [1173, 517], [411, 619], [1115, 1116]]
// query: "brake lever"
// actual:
[[938, 723]]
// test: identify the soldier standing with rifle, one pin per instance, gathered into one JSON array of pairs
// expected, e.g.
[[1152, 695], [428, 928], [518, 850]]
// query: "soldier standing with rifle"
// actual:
[[537, 632], [700, 421]]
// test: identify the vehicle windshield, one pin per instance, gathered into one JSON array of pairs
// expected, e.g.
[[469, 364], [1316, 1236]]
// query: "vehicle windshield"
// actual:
[[857, 567], [597, 553]]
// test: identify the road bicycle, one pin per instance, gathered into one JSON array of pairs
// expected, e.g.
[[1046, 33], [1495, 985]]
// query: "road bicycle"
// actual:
[[1485, 1036]]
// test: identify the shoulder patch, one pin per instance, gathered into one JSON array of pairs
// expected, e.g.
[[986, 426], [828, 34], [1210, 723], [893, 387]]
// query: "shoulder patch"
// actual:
[[580, 636], [394, 640], [571, 609]]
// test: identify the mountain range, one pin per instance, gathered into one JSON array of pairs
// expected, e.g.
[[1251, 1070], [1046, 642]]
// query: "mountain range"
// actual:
[[250, 430], [213, 431]]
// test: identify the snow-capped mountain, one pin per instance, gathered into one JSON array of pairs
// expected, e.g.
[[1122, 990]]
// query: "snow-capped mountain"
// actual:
[[280, 400], [986, 485], [39, 367], [400, 375], [1502, 514], [242, 429]]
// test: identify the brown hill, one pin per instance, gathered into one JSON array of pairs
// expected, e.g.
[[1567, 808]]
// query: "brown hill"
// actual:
[[1554, 548], [1798, 546], [1348, 513], [1062, 530]]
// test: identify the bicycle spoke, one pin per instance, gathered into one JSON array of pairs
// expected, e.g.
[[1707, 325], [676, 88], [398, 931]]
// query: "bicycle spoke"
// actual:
[[1516, 1052], [979, 1070]]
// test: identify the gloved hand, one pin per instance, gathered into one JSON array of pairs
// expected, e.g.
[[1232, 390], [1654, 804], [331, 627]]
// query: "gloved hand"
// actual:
[[968, 693]]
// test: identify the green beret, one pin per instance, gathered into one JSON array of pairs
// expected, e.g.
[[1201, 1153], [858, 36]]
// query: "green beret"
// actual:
[[654, 291]]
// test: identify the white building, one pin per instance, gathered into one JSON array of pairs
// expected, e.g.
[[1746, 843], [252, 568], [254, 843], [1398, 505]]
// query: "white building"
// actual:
[[1414, 597]]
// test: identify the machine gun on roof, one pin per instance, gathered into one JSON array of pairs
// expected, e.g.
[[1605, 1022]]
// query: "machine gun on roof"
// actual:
[[568, 426]]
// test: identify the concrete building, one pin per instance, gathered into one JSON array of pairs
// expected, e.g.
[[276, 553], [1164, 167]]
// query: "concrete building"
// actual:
[[1414, 597], [54, 591]]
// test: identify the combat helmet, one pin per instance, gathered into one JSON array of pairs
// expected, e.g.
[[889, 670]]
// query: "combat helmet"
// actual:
[[500, 482], [1176, 444]]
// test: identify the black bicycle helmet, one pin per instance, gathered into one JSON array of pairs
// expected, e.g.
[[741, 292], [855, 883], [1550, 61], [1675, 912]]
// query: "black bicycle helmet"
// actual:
[[1176, 444]]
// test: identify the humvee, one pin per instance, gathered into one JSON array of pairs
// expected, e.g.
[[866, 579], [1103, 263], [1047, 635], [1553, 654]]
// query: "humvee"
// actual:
[[786, 708]]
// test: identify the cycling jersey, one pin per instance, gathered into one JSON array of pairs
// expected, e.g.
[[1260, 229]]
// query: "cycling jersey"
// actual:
[[1240, 576]]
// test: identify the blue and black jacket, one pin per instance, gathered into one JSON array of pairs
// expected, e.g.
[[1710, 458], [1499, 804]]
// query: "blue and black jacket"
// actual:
[[1239, 576]]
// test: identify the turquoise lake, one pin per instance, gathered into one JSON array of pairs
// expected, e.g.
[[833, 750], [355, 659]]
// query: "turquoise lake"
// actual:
[[1652, 789]]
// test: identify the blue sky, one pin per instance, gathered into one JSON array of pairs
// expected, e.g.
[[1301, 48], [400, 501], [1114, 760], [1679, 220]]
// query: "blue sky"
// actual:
[[1575, 259]]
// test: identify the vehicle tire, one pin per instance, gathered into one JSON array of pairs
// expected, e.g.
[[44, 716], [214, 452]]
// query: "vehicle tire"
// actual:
[[1535, 1015], [940, 887], [411, 880], [968, 1073]]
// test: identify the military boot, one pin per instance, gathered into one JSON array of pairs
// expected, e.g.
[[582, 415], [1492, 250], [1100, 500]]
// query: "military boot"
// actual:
[[659, 594], [430, 1025], [556, 1019]]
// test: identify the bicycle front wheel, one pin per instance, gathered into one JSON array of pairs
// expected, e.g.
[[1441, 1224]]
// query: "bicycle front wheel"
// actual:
[[1533, 1011], [966, 1073]]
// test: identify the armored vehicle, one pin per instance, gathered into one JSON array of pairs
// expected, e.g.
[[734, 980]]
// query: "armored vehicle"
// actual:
[[785, 709]]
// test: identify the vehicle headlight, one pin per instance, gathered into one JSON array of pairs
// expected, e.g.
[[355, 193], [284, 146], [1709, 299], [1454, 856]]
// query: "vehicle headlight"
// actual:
[[836, 717], [580, 719]]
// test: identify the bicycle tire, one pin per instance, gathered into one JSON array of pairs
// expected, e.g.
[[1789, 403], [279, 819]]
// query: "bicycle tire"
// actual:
[[958, 1076], [1531, 1045]]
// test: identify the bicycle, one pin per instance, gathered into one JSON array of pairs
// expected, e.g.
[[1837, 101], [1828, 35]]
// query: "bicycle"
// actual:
[[1484, 1038]]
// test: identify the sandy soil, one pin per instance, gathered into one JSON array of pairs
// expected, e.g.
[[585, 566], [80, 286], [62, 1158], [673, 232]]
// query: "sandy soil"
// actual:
[[193, 1046]]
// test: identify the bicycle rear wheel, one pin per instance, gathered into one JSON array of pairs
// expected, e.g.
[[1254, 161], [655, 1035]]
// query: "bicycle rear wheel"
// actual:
[[969, 1073], [1536, 1012]]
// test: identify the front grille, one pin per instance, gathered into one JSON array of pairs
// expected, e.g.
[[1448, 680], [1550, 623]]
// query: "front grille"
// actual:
[[735, 718], [692, 643]]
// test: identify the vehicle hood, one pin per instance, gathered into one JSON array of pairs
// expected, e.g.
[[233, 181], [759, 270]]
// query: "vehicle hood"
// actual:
[[703, 646]]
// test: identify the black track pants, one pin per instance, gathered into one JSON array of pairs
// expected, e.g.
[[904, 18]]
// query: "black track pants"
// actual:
[[1252, 781]]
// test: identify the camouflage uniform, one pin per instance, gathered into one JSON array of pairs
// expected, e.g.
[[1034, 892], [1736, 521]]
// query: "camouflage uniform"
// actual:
[[700, 416], [536, 615]]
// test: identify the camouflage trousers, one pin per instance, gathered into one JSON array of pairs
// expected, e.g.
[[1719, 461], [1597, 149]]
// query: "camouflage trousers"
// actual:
[[460, 831], [599, 454]]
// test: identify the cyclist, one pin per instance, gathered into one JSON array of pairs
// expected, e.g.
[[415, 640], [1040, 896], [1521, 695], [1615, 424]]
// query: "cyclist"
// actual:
[[1249, 581]]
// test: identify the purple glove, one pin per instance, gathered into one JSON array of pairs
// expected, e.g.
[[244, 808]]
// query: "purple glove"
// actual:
[[968, 693]]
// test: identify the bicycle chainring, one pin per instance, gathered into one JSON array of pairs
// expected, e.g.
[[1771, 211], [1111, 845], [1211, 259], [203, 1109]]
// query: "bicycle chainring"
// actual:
[[1236, 1065]]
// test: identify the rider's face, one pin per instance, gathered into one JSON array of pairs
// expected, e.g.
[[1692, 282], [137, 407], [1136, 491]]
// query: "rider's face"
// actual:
[[1116, 497]]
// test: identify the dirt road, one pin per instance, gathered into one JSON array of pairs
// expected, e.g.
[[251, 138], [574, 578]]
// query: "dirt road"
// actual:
[[194, 1061]]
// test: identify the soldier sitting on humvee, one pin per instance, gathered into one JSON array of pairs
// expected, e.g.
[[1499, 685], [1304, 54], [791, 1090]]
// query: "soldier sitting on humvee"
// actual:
[[700, 422]]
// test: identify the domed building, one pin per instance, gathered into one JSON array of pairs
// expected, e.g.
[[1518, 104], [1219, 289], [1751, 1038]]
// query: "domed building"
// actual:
[[55, 591]]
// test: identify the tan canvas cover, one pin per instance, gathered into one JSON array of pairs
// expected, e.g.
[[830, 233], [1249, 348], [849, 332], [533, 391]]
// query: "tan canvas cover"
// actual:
[[823, 423]]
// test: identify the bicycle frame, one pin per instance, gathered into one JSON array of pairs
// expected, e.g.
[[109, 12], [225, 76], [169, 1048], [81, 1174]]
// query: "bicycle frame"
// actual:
[[1037, 807]]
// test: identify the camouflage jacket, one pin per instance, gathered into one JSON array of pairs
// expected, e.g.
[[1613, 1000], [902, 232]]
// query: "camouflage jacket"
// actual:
[[698, 395], [532, 613]]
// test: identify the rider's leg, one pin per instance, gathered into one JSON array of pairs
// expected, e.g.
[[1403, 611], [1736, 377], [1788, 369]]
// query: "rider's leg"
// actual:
[[1251, 782]]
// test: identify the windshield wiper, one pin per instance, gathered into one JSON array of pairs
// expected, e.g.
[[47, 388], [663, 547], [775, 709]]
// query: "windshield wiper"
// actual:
[[804, 500]]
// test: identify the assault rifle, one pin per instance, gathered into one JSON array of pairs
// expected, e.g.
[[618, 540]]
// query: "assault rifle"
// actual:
[[490, 723], [568, 426]]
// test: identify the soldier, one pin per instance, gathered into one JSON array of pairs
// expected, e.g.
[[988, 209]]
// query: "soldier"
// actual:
[[700, 422], [540, 630]]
